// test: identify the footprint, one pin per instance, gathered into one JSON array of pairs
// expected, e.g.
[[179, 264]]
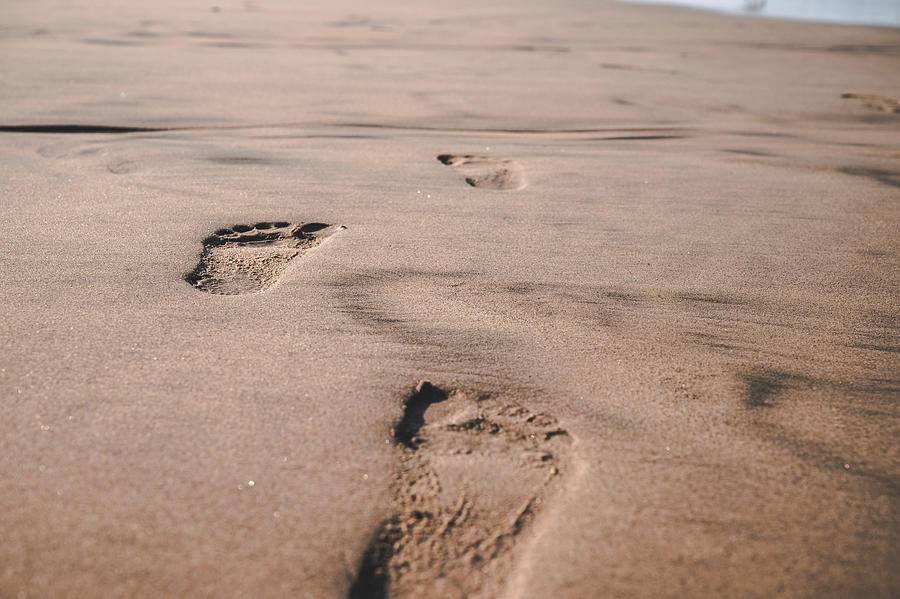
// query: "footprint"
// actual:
[[485, 172], [882, 103], [250, 258], [474, 473]]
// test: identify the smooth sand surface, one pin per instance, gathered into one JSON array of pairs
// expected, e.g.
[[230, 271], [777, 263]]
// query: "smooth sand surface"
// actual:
[[652, 280]]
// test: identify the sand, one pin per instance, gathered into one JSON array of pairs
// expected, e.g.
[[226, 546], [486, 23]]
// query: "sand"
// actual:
[[514, 299]]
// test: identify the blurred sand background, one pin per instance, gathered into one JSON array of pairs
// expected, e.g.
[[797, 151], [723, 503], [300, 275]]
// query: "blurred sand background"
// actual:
[[695, 274]]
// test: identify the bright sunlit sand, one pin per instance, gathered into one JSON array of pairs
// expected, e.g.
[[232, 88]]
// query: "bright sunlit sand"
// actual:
[[884, 13], [442, 300]]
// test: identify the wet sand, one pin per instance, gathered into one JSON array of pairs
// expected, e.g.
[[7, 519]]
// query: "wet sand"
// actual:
[[644, 258]]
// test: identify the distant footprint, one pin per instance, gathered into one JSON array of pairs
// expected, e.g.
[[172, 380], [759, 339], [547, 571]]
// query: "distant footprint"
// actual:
[[249, 258], [474, 473], [882, 103], [485, 172]]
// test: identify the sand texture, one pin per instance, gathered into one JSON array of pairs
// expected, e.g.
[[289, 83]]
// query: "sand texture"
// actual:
[[415, 299]]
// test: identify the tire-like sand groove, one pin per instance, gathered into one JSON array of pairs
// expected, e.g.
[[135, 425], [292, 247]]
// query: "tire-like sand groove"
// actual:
[[250, 258], [486, 172], [70, 128], [473, 474]]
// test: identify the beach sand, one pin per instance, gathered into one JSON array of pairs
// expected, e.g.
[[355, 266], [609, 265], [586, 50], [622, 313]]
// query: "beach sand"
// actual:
[[513, 299]]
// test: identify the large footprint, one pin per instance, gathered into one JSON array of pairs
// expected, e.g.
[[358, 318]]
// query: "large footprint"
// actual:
[[474, 473], [249, 258], [486, 172]]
